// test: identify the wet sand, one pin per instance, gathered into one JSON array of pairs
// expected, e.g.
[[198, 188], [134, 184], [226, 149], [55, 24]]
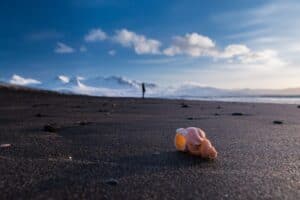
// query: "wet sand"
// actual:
[[122, 148]]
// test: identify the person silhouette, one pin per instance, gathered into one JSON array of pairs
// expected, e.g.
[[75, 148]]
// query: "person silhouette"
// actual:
[[143, 89]]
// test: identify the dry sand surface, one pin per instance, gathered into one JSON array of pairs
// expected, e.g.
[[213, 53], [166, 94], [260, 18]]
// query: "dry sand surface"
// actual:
[[80, 147]]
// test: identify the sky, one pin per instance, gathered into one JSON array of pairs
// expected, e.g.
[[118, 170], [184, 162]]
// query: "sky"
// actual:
[[225, 44]]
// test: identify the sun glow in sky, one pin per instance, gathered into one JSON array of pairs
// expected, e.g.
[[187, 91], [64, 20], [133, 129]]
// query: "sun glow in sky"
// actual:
[[225, 44]]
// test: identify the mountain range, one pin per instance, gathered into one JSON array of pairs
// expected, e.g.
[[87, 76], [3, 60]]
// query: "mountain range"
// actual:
[[122, 86]]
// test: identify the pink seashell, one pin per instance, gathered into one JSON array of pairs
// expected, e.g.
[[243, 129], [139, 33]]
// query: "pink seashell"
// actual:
[[195, 142], [193, 137]]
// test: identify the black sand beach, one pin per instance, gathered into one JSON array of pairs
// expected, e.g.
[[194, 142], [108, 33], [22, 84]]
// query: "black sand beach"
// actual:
[[122, 148]]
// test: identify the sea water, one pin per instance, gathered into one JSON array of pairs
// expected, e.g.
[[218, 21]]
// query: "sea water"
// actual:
[[252, 99]]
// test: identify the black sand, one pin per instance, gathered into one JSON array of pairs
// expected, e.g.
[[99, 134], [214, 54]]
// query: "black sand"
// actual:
[[122, 148]]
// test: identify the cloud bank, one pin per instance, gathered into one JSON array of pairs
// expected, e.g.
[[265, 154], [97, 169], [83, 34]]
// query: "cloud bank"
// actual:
[[197, 45], [193, 45]]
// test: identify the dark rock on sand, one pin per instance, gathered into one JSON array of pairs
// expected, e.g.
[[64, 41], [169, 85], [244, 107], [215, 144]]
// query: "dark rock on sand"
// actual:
[[111, 181], [184, 105], [84, 123], [277, 122], [237, 114], [39, 115], [51, 128]]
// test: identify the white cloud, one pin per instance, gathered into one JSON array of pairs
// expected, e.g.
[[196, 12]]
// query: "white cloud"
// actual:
[[64, 79], [195, 40], [95, 35], [82, 49], [18, 80], [139, 43], [192, 44], [63, 48], [235, 50], [112, 52]]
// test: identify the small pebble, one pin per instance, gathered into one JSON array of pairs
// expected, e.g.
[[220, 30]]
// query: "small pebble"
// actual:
[[277, 122], [83, 123], [51, 128], [237, 114], [39, 115], [183, 105], [111, 181]]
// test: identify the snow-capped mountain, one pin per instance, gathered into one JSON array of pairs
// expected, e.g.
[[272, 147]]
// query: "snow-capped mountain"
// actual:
[[100, 86]]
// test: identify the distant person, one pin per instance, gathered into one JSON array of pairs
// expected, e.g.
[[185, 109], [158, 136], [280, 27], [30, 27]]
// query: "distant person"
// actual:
[[143, 89]]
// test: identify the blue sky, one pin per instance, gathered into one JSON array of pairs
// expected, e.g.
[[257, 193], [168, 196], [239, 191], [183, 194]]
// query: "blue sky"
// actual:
[[227, 44]]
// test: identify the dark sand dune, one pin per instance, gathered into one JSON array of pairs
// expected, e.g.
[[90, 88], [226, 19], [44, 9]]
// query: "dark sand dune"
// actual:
[[122, 148]]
